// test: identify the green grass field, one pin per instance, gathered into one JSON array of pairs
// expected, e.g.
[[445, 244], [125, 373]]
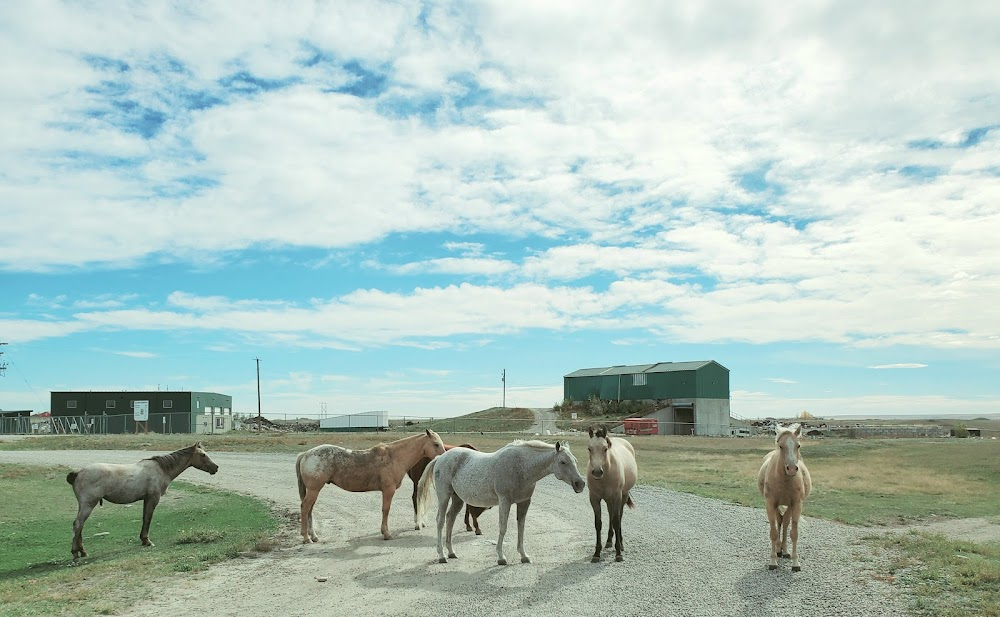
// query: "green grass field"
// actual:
[[192, 527]]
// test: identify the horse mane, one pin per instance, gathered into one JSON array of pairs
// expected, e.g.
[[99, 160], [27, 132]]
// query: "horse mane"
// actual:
[[781, 430], [170, 461], [536, 444]]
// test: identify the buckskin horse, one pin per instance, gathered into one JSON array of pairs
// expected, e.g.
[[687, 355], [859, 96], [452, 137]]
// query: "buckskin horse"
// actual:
[[380, 468]]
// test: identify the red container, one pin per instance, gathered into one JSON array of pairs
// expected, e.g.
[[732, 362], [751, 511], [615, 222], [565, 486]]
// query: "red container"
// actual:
[[641, 426]]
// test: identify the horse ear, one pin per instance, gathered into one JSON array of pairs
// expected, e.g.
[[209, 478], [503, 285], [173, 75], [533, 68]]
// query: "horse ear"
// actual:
[[558, 446], [590, 430], [428, 431], [607, 439], [798, 430]]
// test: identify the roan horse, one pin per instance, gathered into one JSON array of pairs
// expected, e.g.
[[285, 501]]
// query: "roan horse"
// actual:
[[471, 512], [146, 480], [611, 474], [784, 480], [381, 468], [504, 477]]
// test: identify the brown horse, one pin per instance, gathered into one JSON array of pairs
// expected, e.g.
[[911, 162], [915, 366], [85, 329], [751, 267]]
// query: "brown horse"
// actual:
[[783, 480], [471, 512], [381, 468], [146, 480], [611, 474]]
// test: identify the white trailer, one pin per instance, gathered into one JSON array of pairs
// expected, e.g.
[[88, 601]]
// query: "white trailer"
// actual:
[[356, 422]]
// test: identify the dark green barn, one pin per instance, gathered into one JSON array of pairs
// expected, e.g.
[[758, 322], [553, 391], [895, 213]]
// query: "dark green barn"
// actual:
[[694, 395], [169, 412]]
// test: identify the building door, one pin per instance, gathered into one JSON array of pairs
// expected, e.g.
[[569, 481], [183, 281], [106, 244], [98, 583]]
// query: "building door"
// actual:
[[683, 420]]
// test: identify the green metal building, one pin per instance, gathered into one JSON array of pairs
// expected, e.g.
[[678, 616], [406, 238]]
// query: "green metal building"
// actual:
[[169, 412], [694, 396]]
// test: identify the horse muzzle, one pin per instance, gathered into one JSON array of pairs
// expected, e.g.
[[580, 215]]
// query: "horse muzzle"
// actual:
[[791, 470], [579, 485]]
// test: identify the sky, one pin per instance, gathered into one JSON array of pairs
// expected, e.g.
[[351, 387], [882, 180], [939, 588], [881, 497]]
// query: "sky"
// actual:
[[390, 205]]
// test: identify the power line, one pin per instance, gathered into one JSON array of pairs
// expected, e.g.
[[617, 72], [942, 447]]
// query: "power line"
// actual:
[[3, 365]]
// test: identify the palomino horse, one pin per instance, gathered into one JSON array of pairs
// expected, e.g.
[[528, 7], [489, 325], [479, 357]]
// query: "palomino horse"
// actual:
[[471, 512], [146, 480], [381, 468], [783, 480], [505, 477], [611, 474]]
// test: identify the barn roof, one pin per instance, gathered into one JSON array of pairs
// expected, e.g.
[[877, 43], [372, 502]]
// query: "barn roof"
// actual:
[[630, 369]]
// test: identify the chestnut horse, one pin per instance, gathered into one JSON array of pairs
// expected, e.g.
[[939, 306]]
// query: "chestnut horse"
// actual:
[[611, 474], [146, 480], [784, 480], [471, 512], [380, 468], [505, 477]]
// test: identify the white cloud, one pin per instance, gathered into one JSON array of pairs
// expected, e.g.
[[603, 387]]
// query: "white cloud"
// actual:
[[900, 365]]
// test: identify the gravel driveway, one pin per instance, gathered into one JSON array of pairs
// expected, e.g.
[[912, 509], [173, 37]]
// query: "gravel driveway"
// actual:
[[685, 555]]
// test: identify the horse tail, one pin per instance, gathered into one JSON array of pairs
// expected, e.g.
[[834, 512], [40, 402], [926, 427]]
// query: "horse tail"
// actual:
[[424, 488], [71, 477], [629, 502], [298, 476]]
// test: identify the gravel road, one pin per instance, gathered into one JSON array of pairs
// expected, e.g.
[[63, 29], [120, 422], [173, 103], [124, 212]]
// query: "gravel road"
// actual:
[[685, 555]]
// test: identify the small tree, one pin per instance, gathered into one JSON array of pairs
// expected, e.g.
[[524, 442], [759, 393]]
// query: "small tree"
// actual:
[[960, 429]]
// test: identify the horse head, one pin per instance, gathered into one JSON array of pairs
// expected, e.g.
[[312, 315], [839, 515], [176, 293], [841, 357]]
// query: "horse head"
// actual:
[[597, 449], [564, 467], [787, 439], [433, 446], [200, 460]]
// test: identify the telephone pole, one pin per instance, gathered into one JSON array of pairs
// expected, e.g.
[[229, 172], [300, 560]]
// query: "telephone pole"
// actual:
[[503, 378], [258, 394], [3, 365]]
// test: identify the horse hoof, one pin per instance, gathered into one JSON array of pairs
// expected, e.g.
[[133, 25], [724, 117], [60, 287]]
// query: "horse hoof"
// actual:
[[772, 567], [442, 560], [785, 555], [501, 562], [595, 559], [796, 568], [525, 559], [452, 556], [467, 528], [619, 558], [479, 532], [387, 537]]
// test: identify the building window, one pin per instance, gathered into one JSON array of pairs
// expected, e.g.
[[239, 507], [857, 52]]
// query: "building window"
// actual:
[[70, 404], [638, 379], [109, 405], [220, 422], [168, 404]]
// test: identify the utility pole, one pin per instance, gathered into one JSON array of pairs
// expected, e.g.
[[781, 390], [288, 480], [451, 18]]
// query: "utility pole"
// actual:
[[503, 378], [3, 365], [258, 394]]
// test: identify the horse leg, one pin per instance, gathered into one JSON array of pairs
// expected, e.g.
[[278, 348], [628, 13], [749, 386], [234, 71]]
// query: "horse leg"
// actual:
[[456, 507], [616, 524], [306, 515], [774, 521], [387, 494], [475, 523], [792, 513], [504, 515], [522, 514], [468, 515], [444, 495], [785, 520], [83, 513], [416, 523], [595, 503], [148, 505]]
